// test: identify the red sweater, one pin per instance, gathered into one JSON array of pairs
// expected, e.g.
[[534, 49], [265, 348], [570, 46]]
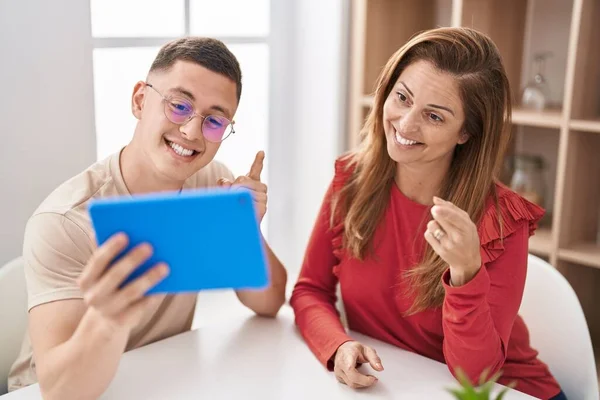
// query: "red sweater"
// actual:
[[477, 327]]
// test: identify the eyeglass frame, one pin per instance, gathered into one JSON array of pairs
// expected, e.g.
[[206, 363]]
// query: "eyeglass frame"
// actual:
[[195, 114]]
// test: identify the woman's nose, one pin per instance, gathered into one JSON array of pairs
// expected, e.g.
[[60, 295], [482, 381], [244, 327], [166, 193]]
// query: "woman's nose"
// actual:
[[409, 121]]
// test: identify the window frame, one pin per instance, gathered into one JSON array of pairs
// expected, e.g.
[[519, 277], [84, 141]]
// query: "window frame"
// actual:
[[277, 41]]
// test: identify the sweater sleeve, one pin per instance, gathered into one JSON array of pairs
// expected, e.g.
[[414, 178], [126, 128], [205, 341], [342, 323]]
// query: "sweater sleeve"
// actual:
[[478, 317], [314, 295]]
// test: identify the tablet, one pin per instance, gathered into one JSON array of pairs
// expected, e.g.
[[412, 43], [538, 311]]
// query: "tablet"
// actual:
[[209, 238]]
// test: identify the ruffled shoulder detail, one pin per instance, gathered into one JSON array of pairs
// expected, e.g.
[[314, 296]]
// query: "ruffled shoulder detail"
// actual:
[[344, 168], [513, 211]]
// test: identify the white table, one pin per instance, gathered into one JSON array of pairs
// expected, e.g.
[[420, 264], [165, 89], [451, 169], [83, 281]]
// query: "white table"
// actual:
[[259, 358]]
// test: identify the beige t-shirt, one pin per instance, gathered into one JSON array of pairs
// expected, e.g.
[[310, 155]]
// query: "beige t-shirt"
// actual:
[[59, 240]]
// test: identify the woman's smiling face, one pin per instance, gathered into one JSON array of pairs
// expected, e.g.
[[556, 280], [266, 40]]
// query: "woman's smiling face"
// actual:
[[423, 116]]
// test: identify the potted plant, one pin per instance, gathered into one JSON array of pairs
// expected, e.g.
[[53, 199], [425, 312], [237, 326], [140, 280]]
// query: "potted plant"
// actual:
[[482, 392]]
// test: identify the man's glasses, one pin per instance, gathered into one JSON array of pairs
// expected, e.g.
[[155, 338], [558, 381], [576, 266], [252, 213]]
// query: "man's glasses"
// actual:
[[180, 111]]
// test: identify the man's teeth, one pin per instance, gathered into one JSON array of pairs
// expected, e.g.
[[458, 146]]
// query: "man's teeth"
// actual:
[[180, 150], [405, 141]]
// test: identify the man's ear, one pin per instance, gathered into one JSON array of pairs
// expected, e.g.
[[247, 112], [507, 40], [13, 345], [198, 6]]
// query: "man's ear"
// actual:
[[137, 99], [463, 138]]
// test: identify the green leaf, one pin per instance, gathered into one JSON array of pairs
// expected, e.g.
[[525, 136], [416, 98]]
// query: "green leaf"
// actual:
[[502, 393], [464, 381], [495, 377], [508, 387], [484, 389], [458, 394], [483, 377]]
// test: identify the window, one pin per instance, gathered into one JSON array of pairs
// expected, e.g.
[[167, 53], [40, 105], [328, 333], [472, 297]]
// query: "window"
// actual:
[[284, 92], [126, 42], [230, 18], [137, 18]]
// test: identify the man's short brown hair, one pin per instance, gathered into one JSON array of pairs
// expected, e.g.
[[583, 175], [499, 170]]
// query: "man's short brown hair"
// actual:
[[210, 53]]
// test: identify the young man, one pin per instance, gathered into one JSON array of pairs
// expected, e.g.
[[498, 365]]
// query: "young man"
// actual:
[[80, 320]]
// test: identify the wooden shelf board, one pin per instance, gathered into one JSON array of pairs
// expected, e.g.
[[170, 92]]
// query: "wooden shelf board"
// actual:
[[366, 101], [585, 125], [581, 253], [541, 242], [544, 119]]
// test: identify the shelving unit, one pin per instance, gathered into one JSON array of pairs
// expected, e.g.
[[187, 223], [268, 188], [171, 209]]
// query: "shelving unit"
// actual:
[[585, 125], [541, 243], [566, 134], [545, 119], [582, 253]]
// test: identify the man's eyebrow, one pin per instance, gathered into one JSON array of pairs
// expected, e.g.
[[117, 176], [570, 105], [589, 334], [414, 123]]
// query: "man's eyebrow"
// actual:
[[220, 109], [184, 92]]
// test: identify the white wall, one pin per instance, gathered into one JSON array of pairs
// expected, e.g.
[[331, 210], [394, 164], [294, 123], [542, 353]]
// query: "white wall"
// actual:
[[46, 106], [308, 114], [320, 71]]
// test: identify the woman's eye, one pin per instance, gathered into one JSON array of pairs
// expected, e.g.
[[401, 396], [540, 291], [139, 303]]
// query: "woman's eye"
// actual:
[[435, 117], [402, 97]]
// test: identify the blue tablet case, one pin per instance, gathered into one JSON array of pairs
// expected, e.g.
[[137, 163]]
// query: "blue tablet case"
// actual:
[[209, 238]]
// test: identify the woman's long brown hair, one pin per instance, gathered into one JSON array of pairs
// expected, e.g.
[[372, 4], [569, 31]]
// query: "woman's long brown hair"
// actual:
[[474, 61]]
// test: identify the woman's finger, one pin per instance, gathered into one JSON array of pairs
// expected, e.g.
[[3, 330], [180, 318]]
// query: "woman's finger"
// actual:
[[341, 376], [452, 208], [437, 200], [357, 380], [372, 358], [449, 219], [435, 244], [434, 227]]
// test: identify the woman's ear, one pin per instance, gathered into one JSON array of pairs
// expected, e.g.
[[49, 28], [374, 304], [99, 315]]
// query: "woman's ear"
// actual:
[[137, 99], [463, 138]]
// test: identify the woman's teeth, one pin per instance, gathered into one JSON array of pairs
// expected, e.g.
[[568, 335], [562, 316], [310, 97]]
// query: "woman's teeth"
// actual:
[[180, 150], [404, 141]]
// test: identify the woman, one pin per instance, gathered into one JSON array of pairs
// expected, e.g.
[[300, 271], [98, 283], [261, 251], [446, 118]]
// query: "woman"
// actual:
[[429, 249]]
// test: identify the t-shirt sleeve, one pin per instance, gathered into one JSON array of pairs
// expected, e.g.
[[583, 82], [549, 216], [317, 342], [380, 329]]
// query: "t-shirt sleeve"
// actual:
[[55, 251]]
